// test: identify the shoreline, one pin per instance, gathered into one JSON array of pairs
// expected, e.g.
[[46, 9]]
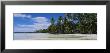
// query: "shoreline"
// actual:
[[48, 36]]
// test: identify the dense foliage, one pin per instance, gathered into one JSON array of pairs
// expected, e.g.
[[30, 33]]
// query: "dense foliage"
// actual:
[[72, 23]]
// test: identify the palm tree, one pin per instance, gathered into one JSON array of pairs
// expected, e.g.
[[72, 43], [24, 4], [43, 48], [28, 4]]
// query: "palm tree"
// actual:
[[52, 28], [60, 24], [52, 21], [87, 23]]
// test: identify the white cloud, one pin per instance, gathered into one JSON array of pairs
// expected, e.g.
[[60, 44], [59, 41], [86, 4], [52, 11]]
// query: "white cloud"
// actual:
[[23, 26], [42, 25], [22, 15], [26, 29], [39, 23], [28, 16], [40, 19], [31, 28]]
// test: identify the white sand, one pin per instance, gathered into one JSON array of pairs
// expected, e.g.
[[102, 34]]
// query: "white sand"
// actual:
[[47, 36]]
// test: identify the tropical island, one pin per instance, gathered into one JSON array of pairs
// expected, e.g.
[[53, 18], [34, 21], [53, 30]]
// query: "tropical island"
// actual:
[[72, 23], [55, 26]]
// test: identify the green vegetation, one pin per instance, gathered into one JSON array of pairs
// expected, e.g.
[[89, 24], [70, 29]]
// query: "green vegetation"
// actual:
[[72, 23]]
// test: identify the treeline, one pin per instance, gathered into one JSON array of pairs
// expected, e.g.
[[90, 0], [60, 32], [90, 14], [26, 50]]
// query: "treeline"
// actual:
[[72, 23]]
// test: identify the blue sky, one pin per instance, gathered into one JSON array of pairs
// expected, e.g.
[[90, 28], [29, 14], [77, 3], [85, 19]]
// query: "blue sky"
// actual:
[[29, 22]]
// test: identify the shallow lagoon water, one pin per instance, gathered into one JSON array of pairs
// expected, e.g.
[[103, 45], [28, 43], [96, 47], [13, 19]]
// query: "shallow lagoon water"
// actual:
[[48, 36]]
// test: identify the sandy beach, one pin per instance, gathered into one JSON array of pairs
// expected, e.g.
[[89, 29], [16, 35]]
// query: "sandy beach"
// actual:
[[47, 36]]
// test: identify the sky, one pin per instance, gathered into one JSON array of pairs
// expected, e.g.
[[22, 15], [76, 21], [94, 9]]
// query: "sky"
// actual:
[[30, 22]]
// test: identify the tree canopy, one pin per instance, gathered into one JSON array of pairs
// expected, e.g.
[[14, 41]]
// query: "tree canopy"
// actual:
[[72, 23]]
